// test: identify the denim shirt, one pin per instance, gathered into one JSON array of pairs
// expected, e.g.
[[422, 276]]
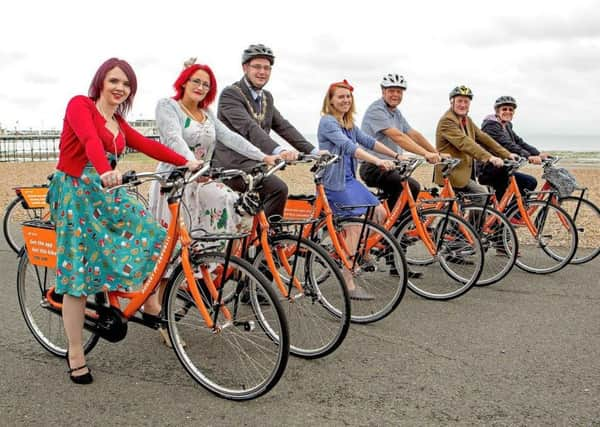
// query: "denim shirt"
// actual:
[[342, 142]]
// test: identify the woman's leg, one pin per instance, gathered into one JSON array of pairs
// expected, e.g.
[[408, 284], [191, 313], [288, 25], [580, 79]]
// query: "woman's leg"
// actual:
[[73, 316]]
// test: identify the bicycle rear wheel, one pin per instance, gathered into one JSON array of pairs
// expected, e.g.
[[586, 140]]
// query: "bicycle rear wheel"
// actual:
[[44, 322], [242, 358], [16, 212], [319, 315], [457, 259], [555, 243], [586, 217], [498, 239], [380, 270]]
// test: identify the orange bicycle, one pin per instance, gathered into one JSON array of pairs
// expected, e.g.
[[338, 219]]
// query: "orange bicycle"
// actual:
[[442, 248], [584, 213], [376, 264], [311, 287], [236, 350], [546, 233], [493, 228]]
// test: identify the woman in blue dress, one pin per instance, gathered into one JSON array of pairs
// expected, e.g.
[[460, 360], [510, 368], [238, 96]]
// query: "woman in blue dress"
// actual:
[[338, 134]]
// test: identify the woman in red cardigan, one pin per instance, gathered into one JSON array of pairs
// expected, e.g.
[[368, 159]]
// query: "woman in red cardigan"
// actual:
[[104, 240]]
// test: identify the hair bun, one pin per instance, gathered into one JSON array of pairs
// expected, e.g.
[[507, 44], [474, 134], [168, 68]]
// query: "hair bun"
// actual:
[[188, 63]]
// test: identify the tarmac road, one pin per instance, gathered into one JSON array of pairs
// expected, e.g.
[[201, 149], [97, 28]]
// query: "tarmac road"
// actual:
[[525, 351]]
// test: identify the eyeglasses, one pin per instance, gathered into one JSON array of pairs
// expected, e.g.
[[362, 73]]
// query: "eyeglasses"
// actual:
[[259, 67], [198, 82], [509, 109]]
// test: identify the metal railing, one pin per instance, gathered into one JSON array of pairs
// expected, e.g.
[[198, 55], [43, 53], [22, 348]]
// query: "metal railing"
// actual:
[[32, 148]]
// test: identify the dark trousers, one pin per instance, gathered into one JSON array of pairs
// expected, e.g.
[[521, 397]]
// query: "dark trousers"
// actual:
[[273, 192], [390, 182], [524, 182]]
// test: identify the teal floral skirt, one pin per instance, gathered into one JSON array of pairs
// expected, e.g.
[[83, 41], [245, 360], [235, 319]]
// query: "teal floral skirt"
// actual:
[[103, 240]]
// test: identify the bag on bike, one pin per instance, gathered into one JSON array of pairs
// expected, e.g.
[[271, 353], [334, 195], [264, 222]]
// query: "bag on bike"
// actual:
[[488, 174], [561, 180]]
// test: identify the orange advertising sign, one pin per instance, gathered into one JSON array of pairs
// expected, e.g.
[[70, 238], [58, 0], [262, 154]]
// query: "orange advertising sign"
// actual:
[[40, 242], [35, 197], [298, 209]]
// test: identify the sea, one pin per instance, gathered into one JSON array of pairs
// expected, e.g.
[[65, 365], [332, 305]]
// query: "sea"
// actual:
[[581, 148]]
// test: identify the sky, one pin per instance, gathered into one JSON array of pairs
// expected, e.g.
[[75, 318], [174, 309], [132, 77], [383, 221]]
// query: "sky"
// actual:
[[546, 55]]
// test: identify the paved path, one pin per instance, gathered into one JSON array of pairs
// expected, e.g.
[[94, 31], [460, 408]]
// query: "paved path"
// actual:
[[522, 352]]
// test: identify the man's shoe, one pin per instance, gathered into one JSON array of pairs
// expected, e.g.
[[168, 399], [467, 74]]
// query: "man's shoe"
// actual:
[[358, 293]]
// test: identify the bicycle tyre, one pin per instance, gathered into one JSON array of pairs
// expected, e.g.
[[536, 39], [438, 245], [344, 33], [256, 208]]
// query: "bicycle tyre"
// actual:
[[382, 273], [587, 223], [319, 317], [15, 213], [46, 325], [247, 356], [537, 254], [501, 238], [457, 248]]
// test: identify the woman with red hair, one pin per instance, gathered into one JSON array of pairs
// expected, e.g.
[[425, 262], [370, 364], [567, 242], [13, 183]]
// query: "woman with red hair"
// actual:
[[96, 231], [187, 126]]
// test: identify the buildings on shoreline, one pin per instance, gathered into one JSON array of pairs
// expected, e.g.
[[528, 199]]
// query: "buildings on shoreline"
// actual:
[[146, 127]]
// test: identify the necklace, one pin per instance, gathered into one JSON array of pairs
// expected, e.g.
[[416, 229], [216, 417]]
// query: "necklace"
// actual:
[[195, 116]]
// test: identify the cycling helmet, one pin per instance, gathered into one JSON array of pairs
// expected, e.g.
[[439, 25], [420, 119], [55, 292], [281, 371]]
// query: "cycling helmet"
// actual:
[[257, 51], [393, 80], [461, 91], [505, 100]]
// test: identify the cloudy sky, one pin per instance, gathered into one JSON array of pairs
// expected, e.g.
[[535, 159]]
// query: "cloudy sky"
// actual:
[[547, 55]]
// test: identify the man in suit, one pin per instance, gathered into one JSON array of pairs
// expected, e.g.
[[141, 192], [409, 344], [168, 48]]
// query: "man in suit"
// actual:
[[458, 136], [248, 109]]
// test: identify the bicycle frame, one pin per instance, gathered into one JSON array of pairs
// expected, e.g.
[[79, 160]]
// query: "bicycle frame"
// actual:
[[320, 210], [176, 232]]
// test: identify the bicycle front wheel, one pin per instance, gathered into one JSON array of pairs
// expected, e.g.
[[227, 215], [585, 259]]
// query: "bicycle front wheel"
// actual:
[[555, 242], [45, 322], [242, 357], [498, 239], [379, 267], [318, 314], [16, 212], [454, 262], [586, 217]]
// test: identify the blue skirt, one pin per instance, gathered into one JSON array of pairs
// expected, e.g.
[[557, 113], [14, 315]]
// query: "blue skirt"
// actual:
[[355, 193]]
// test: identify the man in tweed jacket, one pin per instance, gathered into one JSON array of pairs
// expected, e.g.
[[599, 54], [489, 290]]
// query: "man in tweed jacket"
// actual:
[[246, 108], [458, 136]]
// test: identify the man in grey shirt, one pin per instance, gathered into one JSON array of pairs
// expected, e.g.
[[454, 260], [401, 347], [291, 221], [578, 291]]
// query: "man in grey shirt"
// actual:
[[384, 121], [246, 108]]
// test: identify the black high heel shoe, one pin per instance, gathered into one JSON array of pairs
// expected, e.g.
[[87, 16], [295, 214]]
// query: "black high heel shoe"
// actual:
[[79, 379]]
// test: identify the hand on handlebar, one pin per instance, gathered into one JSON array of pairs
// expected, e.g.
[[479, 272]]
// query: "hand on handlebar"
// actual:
[[535, 160], [111, 178], [194, 165], [496, 161], [386, 165], [271, 160], [433, 158], [289, 155]]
